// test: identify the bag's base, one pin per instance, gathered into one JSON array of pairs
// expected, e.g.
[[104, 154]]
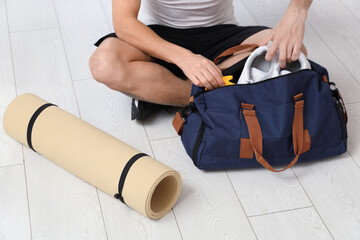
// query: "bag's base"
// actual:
[[329, 149]]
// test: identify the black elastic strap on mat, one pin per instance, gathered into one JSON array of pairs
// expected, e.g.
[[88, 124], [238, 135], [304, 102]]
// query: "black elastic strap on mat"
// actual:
[[32, 121], [124, 174]]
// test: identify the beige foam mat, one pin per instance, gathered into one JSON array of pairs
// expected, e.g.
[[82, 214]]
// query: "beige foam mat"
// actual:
[[150, 187]]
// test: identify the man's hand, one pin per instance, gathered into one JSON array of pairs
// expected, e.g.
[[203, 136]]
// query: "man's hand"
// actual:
[[201, 71], [288, 34]]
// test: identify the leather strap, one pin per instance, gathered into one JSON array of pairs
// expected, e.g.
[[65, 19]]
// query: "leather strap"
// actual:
[[256, 138], [178, 123], [246, 150], [191, 99], [307, 141], [238, 48], [325, 79]]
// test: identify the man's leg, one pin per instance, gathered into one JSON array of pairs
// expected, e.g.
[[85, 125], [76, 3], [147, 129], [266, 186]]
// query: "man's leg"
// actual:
[[122, 67]]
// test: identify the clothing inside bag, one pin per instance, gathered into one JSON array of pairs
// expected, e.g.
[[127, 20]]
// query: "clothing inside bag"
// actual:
[[257, 68]]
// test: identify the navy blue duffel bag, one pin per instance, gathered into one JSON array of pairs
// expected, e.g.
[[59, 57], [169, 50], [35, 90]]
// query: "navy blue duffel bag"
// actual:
[[296, 117]]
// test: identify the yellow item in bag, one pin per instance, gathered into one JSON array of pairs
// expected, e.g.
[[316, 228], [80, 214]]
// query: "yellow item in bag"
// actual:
[[226, 80]]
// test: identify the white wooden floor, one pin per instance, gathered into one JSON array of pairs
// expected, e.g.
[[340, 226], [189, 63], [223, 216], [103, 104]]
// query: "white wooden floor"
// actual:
[[44, 49]]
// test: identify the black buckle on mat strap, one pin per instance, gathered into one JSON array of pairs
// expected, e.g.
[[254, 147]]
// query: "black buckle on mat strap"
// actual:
[[124, 174]]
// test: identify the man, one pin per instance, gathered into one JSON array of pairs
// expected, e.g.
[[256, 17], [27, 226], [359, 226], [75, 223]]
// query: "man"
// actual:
[[158, 62]]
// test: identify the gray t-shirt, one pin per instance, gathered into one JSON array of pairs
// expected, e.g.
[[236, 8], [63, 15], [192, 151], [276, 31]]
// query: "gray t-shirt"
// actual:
[[187, 13]]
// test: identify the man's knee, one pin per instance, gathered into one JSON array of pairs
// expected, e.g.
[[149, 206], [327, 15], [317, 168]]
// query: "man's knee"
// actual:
[[110, 69]]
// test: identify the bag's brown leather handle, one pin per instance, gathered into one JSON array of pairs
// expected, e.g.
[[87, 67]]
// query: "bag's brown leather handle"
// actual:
[[239, 48], [255, 133]]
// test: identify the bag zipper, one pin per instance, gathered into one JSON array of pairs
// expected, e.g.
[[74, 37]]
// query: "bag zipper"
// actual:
[[239, 85], [198, 142]]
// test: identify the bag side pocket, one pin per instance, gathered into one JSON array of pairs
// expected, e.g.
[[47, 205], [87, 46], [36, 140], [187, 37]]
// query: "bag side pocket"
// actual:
[[192, 134]]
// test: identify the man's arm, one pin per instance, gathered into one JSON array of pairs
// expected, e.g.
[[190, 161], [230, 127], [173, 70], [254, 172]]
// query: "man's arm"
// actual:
[[201, 71], [288, 34]]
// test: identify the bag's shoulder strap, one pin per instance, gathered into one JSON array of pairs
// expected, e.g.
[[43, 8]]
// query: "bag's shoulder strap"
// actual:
[[241, 48]]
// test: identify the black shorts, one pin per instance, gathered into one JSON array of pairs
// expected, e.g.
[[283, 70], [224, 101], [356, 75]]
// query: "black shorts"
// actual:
[[207, 41]]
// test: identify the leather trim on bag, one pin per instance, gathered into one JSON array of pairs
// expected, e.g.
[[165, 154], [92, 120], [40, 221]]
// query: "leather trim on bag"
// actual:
[[246, 150], [178, 123], [325, 79], [191, 99], [307, 142]]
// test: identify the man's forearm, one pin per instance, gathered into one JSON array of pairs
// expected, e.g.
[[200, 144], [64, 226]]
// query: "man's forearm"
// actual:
[[142, 37], [134, 32], [301, 5], [287, 36], [198, 69]]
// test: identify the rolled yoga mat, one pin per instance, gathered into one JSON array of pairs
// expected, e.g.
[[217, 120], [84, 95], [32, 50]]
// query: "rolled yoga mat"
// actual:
[[141, 182]]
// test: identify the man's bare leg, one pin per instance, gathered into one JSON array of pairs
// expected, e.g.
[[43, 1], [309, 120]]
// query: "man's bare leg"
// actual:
[[124, 68]]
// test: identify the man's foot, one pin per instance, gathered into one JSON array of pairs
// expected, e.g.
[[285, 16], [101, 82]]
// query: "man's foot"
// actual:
[[140, 110]]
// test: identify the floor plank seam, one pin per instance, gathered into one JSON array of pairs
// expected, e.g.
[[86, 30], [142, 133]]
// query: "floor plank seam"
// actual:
[[27, 195], [350, 104], [353, 158], [104, 12], [282, 211], [83, 79], [153, 154], [101, 211], [11, 50], [352, 13], [16, 93], [329, 48], [12, 165], [159, 139], [177, 223], [66, 56], [241, 204], [248, 10], [312, 203], [33, 30], [147, 137]]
